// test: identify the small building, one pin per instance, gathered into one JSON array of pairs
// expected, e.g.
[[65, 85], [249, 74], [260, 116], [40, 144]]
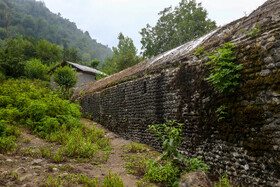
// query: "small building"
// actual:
[[85, 74]]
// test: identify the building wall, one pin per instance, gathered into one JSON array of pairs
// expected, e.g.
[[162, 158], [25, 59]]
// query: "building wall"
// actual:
[[84, 78]]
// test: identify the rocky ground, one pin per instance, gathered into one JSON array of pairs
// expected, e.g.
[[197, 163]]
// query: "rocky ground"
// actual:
[[27, 167]]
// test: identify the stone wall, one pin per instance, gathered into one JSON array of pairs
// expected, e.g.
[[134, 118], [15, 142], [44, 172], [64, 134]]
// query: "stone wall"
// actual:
[[245, 145]]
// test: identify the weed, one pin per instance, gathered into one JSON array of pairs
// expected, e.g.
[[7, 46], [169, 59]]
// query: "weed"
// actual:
[[50, 168], [162, 172], [7, 144], [79, 146], [224, 182], [194, 164], [135, 165], [169, 134], [30, 151], [134, 148], [224, 72], [143, 183], [57, 157], [172, 163], [15, 175], [69, 180], [83, 179], [199, 51], [112, 180], [67, 167], [221, 112], [46, 151], [254, 32], [26, 140]]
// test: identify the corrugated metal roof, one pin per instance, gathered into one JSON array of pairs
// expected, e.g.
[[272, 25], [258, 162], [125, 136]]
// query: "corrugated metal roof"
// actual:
[[85, 68]]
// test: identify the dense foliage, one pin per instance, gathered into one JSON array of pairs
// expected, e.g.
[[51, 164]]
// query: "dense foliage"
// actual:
[[124, 56], [17, 51], [175, 27], [33, 104], [65, 77], [34, 69], [33, 18]]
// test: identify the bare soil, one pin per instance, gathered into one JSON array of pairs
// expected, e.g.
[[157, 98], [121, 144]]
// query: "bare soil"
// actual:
[[27, 168]]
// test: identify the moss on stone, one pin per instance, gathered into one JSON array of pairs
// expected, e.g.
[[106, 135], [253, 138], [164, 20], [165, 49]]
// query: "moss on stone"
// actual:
[[274, 108]]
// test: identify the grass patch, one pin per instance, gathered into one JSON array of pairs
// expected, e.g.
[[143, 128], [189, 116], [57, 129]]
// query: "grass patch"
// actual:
[[134, 148], [135, 164], [110, 180]]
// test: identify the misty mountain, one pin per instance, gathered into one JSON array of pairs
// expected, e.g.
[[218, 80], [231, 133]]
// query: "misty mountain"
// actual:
[[33, 18]]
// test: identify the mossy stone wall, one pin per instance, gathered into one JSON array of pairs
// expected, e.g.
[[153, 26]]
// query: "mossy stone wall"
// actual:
[[246, 144]]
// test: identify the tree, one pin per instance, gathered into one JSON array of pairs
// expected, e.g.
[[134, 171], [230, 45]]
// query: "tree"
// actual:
[[124, 56], [86, 57], [34, 69], [65, 77], [6, 7], [70, 54], [176, 27], [12, 57], [48, 52], [94, 63]]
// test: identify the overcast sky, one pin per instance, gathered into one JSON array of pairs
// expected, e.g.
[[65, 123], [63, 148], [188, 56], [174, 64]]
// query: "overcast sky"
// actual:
[[105, 19]]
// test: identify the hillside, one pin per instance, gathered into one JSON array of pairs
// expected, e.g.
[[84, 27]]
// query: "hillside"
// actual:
[[33, 18]]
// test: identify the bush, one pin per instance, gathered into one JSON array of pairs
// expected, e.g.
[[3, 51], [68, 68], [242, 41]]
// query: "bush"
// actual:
[[34, 69], [173, 164], [65, 77], [31, 103], [162, 172], [169, 134], [8, 136]]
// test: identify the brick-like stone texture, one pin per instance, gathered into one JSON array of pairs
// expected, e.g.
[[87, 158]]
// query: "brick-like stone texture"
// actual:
[[245, 145]]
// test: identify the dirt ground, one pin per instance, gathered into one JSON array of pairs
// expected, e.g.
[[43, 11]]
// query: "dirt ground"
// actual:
[[27, 168]]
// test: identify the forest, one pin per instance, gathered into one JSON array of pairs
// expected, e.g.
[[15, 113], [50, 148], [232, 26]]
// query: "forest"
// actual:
[[32, 18]]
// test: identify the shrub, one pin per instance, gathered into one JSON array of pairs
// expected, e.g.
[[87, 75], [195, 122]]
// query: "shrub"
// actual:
[[168, 169], [169, 134], [31, 103], [7, 144], [34, 69], [162, 172], [65, 77], [8, 136]]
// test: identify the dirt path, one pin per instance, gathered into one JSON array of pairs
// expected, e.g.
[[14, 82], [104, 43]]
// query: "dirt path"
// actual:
[[27, 168], [115, 162]]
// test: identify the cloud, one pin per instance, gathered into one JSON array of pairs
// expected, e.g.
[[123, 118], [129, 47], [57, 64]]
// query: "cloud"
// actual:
[[105, 19]]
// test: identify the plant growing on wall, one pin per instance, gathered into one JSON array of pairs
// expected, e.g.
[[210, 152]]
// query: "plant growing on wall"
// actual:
[[224, 72]]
